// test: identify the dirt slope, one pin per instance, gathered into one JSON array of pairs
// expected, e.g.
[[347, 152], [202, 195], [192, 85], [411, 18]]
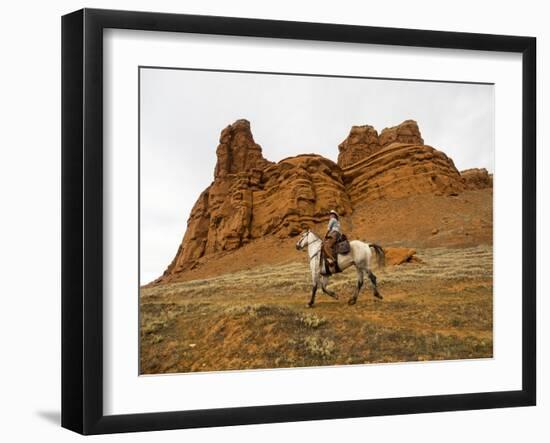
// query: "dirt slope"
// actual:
[[440, 309]]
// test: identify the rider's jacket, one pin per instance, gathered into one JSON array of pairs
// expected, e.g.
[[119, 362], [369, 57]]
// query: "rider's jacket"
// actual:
[[334, 225]]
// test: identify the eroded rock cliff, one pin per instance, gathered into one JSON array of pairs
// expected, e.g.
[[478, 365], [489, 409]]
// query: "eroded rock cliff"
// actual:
[[477, 178], [406, 132], [251, 197], [401, 166], [361, 142]]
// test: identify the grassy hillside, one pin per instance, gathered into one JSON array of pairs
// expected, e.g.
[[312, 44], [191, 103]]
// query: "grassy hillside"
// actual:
[[438, 309]]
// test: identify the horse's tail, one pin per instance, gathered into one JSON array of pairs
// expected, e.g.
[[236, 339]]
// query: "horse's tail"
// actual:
[[380, 256]]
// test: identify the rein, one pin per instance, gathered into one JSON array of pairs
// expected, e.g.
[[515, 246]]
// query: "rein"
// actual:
[[314, 255], [317, 253]]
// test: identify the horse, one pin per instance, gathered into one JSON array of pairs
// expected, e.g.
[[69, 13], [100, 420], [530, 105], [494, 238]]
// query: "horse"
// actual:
[[360, 256]]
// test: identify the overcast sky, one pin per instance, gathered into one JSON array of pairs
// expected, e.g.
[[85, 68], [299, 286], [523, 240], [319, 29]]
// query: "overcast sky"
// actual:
[[183, 112]]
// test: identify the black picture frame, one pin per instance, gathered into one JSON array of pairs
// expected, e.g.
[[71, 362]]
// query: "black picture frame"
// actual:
[[82, 220]]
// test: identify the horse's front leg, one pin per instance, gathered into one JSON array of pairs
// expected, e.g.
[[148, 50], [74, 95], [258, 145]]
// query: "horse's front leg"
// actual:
[[313, 291], [314, 284]]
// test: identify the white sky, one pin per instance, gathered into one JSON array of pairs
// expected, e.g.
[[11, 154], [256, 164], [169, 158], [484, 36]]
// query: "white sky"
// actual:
[[183, 112]]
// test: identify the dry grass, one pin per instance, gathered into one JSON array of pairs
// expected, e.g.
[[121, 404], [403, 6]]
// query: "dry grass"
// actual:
[[256, 318]]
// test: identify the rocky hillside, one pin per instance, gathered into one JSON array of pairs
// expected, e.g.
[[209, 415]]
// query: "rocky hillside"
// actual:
[[253, 198], [395, 164]]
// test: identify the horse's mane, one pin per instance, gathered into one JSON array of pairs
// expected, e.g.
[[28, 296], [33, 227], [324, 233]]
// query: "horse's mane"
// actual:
[[315, 234]]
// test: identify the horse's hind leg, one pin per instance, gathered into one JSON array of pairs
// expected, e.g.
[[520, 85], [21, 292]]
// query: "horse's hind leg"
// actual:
[[372, 278], [358, 287], [324, 282]]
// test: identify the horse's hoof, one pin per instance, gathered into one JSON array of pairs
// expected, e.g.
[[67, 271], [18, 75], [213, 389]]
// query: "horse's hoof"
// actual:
[[378, 296], [309, 305], [336, 297], [352, 301]]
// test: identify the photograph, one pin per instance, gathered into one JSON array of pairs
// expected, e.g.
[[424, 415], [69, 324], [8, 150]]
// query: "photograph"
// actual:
[[255, 222], [296, 220]]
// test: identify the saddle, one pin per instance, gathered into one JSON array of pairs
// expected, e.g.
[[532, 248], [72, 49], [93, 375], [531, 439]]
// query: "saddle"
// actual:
[[341, 247]]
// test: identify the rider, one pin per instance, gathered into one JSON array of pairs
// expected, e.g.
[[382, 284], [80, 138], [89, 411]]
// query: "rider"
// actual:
[[332, 236]]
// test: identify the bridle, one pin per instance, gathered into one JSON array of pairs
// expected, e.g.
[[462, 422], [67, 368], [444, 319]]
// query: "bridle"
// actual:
[[316, 240]]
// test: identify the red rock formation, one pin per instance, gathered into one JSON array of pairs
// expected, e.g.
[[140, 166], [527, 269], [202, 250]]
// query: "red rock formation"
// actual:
[[361, 142], [252, 197], [403, 166], [237, 151], [406, 132], [400, 170], [477, 178], [398, 256], [297, 192]]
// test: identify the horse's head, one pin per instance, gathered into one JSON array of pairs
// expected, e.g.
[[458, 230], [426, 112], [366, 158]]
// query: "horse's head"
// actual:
[[303, 241]]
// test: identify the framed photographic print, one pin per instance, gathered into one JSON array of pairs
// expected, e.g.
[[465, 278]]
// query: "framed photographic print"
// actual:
[[269, 221]]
